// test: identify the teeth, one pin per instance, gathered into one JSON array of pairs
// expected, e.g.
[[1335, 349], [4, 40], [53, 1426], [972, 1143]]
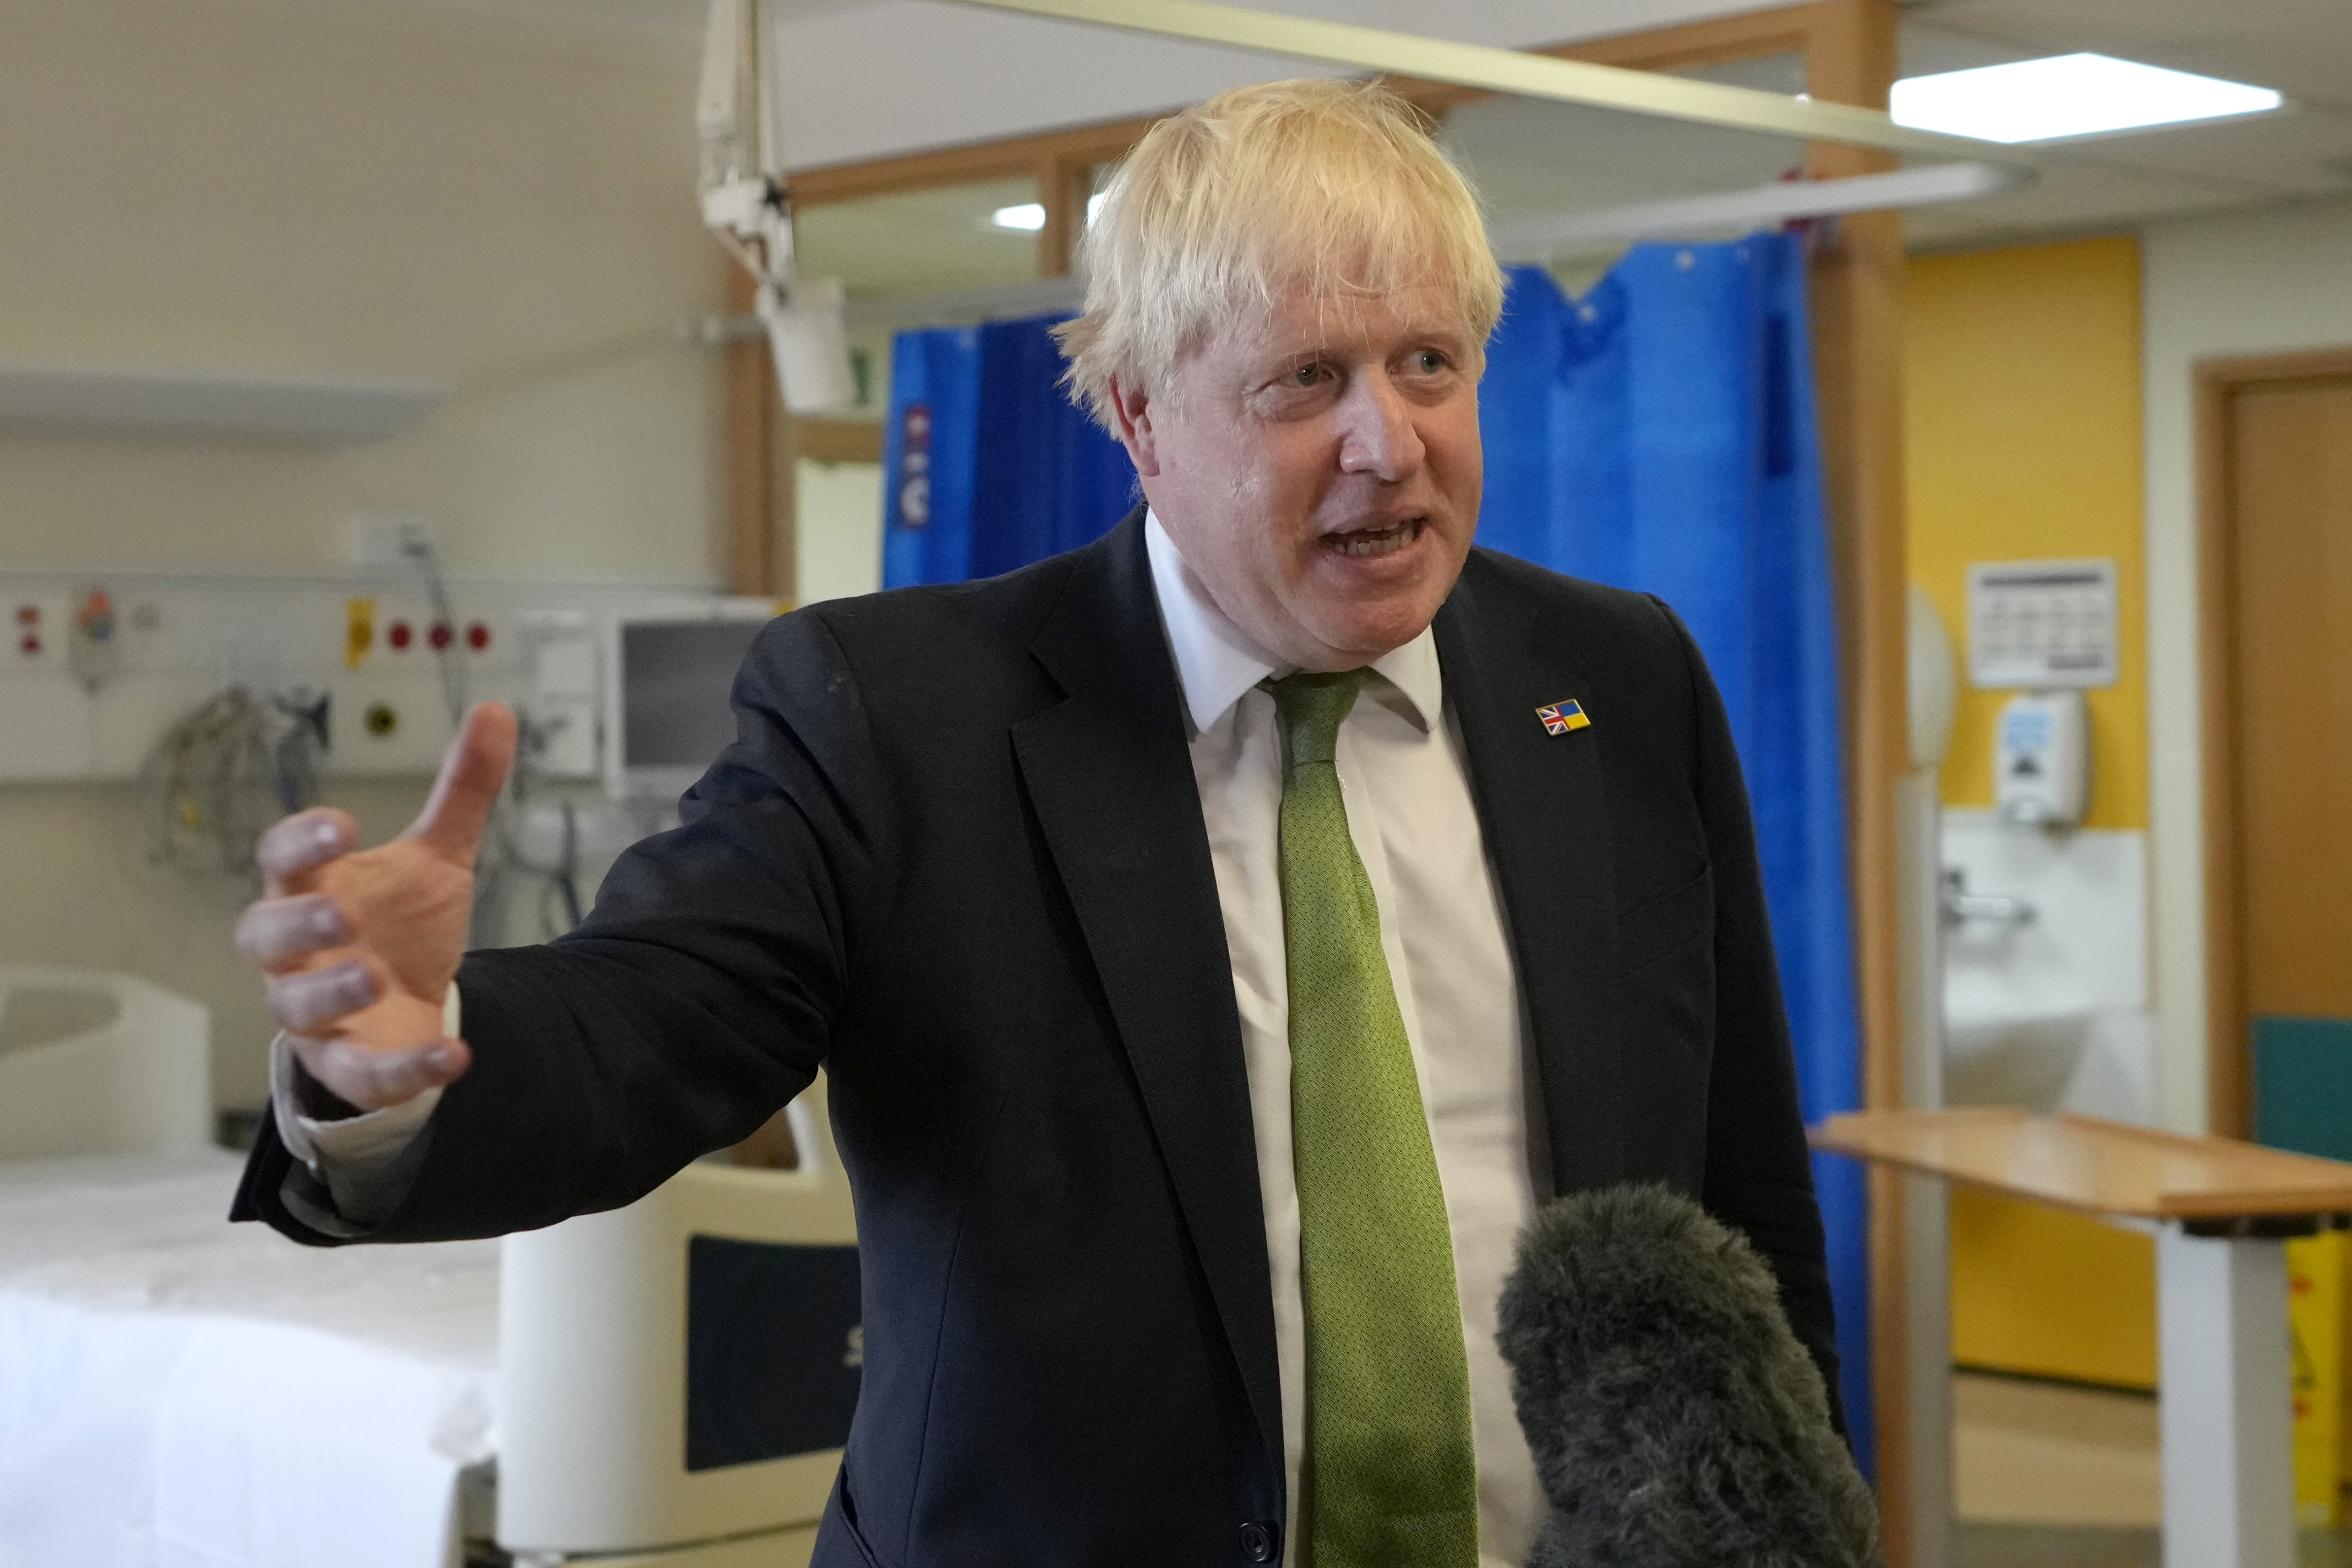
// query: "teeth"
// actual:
[[1378, 541]]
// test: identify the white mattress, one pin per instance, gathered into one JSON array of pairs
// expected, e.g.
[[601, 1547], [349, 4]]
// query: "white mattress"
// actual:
[[179, 1391]]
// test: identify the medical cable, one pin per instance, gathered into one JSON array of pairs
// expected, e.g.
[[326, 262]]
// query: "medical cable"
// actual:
[[226, 770]]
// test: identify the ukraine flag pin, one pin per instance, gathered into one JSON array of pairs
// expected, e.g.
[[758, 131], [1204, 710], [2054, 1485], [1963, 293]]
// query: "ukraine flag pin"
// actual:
[[1561, 717]]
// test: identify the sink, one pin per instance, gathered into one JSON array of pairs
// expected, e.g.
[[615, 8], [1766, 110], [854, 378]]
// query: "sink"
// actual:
[[2027, 1058], [2092, 1061]]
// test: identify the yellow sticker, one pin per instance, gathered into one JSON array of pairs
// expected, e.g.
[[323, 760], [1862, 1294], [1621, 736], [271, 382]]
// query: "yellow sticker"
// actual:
[[359, 631]]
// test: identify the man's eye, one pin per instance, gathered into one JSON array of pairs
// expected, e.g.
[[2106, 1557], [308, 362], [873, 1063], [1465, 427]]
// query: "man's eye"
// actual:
[[1305, 375], [1429, 361]]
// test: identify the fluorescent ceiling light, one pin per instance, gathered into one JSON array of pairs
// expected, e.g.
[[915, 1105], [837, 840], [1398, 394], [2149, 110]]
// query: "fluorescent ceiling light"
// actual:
[[2067, 95], [1028, 217], [1777, 203]]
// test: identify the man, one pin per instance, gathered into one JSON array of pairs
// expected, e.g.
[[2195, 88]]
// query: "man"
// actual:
[[1219, 939]]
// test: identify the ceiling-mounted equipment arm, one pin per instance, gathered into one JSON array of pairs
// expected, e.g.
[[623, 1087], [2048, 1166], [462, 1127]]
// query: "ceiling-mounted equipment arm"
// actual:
[[746, 202]]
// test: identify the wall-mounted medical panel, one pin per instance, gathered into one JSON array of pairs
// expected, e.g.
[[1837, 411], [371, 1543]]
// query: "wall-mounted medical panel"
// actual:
[[98, 664]]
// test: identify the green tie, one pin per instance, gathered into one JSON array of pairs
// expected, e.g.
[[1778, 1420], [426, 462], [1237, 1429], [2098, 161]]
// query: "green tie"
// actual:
[[1390, 1479]]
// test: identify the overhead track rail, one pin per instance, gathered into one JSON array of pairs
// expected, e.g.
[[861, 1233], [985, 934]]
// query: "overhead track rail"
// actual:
[[1514, 72], [1538, 239], [1762, 206]]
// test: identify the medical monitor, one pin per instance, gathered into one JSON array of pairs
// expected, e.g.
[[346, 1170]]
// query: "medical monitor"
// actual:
[[669, 713]]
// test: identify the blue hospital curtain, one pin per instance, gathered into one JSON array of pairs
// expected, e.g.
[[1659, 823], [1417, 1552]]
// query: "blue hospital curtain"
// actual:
[[989, 466], [1658, 434]]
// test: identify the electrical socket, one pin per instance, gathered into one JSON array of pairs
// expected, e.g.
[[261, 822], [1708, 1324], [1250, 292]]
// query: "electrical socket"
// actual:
[[388, 539]]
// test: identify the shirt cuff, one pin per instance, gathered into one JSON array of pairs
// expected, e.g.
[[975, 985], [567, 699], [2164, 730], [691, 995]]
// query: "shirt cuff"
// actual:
[[359, 1158]]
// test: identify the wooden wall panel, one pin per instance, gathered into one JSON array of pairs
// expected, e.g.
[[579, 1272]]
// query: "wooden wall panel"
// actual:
[[757, 462], [1857, 299]]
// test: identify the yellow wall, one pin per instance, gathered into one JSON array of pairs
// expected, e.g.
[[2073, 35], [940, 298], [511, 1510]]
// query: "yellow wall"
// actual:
[[2021, 421], [2022, 432], [2040, 1291]]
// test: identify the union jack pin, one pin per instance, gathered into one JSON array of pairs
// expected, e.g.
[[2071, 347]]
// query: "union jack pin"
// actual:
[[1561, 717]]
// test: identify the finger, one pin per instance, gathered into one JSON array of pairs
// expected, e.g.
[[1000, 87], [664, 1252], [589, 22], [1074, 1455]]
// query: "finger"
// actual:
[[372, 1078], [314, 1001], [280, 934], [297, 846], [473, 771]]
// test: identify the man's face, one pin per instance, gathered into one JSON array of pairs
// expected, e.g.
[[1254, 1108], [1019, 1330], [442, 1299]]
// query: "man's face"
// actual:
[[1318, 469]]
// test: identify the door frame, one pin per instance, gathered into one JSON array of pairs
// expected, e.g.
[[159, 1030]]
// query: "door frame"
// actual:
[[2229, 1088]]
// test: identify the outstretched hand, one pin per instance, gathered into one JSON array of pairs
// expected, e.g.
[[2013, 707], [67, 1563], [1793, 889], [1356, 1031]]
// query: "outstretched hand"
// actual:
[[360, 946]]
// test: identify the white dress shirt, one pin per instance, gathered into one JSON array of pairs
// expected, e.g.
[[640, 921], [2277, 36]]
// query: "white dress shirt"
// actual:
[[1416, 828]]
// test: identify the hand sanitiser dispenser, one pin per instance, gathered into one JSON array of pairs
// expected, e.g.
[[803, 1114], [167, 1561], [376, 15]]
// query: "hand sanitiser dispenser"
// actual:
[[2042, 758]]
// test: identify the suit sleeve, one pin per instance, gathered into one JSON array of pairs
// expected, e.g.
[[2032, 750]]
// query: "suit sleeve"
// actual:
[[1758, 1169], [696, 998]]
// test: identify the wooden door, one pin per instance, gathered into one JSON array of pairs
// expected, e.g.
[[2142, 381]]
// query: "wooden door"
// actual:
[[2285, 495]]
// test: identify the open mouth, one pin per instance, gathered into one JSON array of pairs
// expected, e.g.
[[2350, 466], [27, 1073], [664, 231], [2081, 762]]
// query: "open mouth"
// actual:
[[1384, 540]]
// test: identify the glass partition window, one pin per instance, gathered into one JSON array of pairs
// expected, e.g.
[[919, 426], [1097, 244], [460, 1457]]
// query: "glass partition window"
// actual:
[[926, 241]]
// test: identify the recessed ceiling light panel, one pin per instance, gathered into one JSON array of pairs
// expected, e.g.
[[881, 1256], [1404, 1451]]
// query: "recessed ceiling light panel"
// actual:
[[2067, 95], [1028, 217]]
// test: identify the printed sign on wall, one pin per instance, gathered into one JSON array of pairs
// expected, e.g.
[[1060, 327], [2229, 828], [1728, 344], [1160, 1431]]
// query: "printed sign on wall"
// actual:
[[2041, 624]]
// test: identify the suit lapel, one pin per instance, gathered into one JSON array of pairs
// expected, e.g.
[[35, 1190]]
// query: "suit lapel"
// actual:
[[1543, 809], [1110, 775]]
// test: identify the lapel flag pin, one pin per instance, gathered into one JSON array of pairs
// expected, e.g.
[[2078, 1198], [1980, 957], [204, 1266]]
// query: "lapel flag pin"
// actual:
[[1561, 717]]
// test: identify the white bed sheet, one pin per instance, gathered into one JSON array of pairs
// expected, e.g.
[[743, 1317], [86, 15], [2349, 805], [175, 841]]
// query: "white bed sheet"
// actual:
[[177, 1391]]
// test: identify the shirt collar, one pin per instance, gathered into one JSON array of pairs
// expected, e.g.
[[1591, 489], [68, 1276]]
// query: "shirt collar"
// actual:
[[1216, 662]]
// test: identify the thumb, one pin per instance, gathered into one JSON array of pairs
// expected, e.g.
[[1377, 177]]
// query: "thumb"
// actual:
[[473, 771]]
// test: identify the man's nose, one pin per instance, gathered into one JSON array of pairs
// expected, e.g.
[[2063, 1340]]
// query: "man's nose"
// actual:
[[1377, 436]]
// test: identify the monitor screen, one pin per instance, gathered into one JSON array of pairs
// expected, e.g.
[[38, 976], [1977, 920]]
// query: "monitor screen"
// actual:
[[675, 676]]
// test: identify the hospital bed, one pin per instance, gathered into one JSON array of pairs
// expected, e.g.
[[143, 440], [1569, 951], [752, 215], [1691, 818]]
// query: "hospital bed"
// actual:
[[667, 1385]]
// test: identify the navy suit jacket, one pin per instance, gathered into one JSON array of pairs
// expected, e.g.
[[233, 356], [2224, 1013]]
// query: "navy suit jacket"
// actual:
[[957, 856]]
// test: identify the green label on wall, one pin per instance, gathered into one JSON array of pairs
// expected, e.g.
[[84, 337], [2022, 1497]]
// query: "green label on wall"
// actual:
[[2303, 1085]]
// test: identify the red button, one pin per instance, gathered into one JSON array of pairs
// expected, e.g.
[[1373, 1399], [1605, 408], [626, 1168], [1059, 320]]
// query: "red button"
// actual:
[[26, 614], [399, 636], [31, 644], [439, 635], [477, 637]]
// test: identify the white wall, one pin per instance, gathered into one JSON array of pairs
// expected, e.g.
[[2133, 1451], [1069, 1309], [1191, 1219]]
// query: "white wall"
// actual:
[[504, 204], [903, 75], [400, 190], [2234, 284], [837, 530]]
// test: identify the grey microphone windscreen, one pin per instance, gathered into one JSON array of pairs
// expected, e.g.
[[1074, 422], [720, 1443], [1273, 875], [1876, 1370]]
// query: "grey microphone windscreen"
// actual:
[[1675, 1418]]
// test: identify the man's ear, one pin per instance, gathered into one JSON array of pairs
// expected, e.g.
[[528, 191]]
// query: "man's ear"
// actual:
[[1132, 409]]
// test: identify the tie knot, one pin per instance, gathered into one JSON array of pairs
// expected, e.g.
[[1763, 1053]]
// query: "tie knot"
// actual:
[[1309, 706]]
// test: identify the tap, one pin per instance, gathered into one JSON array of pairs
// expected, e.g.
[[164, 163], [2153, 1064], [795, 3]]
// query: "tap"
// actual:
[[1998, 909]]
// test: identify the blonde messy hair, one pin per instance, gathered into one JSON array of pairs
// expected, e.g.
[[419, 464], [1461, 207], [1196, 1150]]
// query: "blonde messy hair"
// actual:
[[1331, 187]]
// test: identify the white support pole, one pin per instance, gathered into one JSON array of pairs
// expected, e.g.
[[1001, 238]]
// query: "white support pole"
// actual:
[[2227, 1415], [1926, 1235], [1926, 1242]]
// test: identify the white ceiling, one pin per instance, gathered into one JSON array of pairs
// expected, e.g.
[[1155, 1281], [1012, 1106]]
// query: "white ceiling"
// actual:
[[896, 76], [871, 77], [957, 74], [2301, 47]]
